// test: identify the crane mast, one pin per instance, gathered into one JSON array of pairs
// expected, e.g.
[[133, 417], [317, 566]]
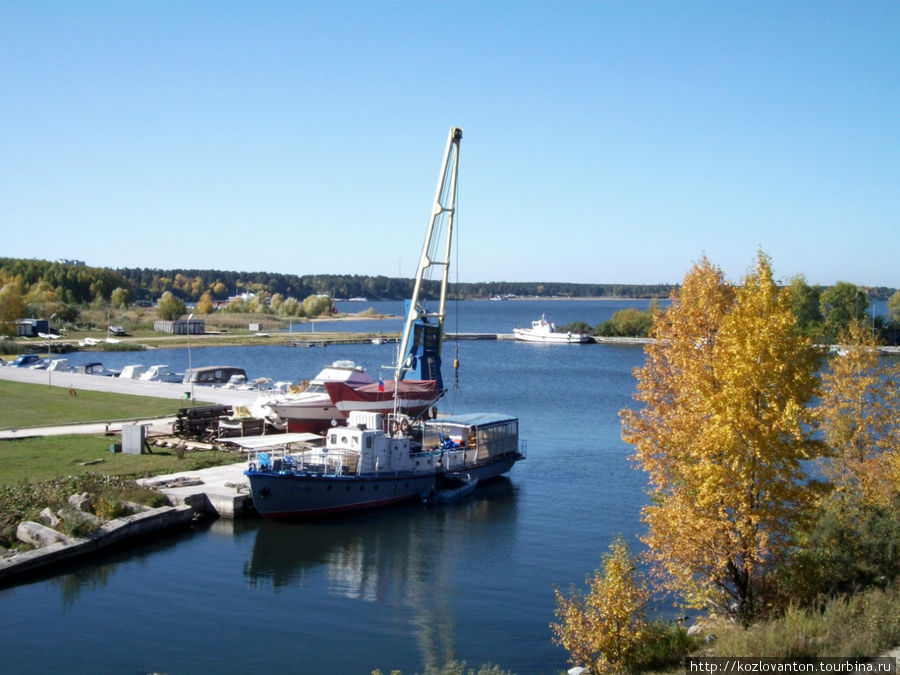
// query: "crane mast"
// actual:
[[422, 335]]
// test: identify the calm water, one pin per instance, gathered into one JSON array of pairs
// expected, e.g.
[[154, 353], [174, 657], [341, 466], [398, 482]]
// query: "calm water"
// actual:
[[401, 588]]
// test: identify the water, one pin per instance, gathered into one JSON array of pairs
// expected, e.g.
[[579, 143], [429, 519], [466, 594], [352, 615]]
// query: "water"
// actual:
[[402, 588]]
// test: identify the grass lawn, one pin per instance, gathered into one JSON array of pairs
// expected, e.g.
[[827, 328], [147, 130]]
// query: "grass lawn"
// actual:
[[43, 458], [34, 405]]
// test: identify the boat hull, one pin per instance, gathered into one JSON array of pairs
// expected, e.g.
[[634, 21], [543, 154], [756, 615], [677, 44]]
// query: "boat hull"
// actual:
[[308, 416], [291, 497], [414, 396], [553, 338]]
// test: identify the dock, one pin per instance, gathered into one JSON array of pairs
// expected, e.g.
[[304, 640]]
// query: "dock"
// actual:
[[219, 491]]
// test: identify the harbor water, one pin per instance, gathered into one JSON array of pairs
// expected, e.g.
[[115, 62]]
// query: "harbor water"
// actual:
[[407, 587]]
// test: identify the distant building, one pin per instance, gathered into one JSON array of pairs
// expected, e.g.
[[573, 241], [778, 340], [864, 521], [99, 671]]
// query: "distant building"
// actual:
[[180, 326], [31, 327], [74, 263]]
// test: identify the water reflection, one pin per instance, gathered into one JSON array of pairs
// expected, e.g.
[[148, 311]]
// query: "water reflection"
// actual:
[[99, 570], [409, 556], [362, 553]]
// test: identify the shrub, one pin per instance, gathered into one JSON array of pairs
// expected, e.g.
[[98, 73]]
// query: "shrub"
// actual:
[[605, 630]]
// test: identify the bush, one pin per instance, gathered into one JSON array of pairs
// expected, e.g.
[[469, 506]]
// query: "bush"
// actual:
[[851, 546], [605, 630], [665, 646], [859, 625]]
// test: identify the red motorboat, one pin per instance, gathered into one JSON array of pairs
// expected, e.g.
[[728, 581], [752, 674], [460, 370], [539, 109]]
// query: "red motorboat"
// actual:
[[414, 397]]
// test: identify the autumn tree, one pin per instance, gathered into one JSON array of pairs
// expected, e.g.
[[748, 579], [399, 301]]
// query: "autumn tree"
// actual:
[[290, 307], [604, 630], [169, 307], [316, 305], [12, 308], [858, 415], [120, 297], [721, 435], [205, 304]]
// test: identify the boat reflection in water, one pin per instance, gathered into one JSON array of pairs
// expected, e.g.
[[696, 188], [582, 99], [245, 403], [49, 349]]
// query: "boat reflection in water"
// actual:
[[403, 557]]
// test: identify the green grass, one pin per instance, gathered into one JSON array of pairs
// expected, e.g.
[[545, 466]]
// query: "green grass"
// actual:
[[859, 625], [48, 457], [33, 405]]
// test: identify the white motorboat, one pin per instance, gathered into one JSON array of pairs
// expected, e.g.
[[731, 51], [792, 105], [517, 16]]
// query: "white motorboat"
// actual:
[[309, 408], [161, 373], [545, 331]]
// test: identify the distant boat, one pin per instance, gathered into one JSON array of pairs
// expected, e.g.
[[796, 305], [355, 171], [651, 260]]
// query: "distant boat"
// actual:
[[96, 368], [160, 373], [545, 331]]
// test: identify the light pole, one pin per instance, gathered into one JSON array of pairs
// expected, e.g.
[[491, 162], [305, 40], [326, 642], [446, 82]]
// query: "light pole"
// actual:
[[190, 364]]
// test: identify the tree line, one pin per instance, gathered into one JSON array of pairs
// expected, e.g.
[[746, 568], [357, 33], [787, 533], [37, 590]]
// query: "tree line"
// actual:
[[822, 314], [40, 287]]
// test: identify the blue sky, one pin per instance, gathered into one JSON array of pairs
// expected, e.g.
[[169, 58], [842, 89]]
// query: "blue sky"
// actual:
[[604, 142]]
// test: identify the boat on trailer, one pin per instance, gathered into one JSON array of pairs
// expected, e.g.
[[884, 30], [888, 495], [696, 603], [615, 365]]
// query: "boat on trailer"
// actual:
[[307, 407]]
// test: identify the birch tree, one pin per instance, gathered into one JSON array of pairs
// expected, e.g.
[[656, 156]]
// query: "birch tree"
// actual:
[[859, 417], [722, 431], [604, 630]]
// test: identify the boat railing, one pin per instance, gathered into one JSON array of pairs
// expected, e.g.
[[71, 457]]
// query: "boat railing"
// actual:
[[315, 461]]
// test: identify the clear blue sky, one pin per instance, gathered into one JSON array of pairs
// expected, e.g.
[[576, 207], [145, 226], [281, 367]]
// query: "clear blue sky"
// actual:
[[604, 142]]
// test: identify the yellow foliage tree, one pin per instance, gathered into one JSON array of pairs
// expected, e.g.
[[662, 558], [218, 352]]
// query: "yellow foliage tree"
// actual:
[[858, 414], [205, 304], [721, 435], [12, 307], [603, 630]]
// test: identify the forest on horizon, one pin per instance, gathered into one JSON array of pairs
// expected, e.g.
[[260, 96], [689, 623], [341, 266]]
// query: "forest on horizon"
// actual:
[[76, 283]]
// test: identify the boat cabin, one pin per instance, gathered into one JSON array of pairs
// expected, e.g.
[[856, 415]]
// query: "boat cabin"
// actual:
[[212, 375], [473, 439]]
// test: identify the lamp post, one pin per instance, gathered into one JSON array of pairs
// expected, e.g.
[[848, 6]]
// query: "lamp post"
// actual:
[[190, 364]]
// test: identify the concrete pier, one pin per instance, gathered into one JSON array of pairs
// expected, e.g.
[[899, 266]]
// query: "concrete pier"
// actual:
[[220, 491], [113, 532]]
